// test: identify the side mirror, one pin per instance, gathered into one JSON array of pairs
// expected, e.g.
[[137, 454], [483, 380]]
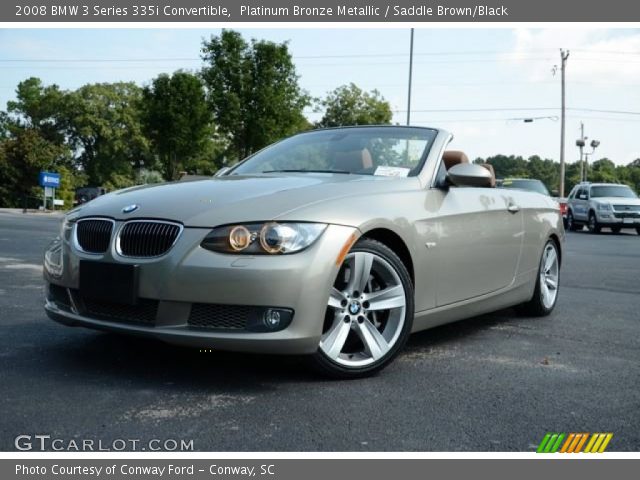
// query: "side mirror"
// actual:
[[469, 175], [222, 171]]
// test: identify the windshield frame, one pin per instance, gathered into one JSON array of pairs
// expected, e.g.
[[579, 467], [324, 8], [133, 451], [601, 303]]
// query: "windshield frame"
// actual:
[[414, 172]]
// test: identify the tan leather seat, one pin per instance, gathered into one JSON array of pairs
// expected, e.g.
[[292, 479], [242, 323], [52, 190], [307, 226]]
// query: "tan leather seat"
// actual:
[[454, 157], [489, 167], [353, 160]]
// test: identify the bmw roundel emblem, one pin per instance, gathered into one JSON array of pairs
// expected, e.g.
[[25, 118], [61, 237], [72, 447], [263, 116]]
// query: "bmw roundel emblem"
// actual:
[[354, 307], [130, 208]]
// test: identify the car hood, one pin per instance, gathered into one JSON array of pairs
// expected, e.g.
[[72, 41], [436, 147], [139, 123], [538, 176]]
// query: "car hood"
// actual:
[[618, 200], [236, 198]]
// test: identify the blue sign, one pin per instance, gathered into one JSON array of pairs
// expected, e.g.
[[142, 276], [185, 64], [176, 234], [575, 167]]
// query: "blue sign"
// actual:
[[48, 179]]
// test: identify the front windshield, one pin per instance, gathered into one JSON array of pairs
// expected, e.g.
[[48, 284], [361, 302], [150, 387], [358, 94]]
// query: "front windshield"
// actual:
[[389, 151], [612, 191], [530, 185]]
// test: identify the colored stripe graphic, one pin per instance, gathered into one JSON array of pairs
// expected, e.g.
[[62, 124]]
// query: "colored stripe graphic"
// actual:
[[581, 443], [543, 443], [599, 442], [551, 443], [568, 442], [554, 442], [592, 440], [607, 439]]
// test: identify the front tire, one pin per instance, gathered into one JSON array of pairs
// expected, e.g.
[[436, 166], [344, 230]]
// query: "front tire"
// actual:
[[593, 223], [545, 294], [369, 314]]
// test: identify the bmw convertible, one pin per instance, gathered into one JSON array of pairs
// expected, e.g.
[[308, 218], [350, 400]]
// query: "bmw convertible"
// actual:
[[336, 244]]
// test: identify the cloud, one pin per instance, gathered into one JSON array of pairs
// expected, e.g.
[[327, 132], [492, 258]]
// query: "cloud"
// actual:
[[596, 55]]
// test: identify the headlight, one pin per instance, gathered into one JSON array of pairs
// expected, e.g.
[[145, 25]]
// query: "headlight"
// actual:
[[53, 258], [66, 228], [263, 238], [604, 206]]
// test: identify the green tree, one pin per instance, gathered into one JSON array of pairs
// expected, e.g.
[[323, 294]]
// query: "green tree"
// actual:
[[105, 127], [32, 139], [603, 170], [70, 179], [507, 166], [349, 105], [38, 107], [177, 121], [4, 125], [25, 155], [253, 91]]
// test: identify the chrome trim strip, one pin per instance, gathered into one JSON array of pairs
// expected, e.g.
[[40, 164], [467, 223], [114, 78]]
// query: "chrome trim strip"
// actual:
[[443, 148]]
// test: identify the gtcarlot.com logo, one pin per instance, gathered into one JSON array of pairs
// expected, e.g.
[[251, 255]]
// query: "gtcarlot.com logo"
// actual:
[[45, 443], [574, 442]]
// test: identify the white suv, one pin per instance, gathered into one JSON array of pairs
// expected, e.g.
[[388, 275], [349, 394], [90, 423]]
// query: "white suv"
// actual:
[[599, 205]]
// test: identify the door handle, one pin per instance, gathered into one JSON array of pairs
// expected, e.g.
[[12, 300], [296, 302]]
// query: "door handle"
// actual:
[[513, 208]]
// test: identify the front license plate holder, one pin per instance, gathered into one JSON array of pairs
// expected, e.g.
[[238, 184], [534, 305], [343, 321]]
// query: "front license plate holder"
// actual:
[[109, 282]]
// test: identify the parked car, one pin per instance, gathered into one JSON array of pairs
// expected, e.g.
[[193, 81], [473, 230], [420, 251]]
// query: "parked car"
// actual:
[[529, 184], [335, 243], [599, 205], [534, 185], [86, 194]]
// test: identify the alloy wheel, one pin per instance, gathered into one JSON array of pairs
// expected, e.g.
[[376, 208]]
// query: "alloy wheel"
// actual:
[[366, 311], [549, 270]]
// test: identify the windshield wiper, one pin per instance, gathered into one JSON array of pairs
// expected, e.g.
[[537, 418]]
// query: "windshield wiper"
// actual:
[[294, 170]]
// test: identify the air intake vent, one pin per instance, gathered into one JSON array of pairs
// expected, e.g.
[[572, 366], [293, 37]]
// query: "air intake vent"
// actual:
[[93, 235], [223, 317], [144, 239], [143, 313]]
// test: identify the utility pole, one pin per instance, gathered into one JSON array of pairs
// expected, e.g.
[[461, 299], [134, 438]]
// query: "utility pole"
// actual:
[[581, 144], [410, 76], [564, 55]]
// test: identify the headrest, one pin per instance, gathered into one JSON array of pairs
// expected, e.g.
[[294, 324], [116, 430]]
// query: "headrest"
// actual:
[[454, 157]]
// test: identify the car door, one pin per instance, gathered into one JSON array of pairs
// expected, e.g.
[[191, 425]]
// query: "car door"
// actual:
[[473, 238], [581, 205]]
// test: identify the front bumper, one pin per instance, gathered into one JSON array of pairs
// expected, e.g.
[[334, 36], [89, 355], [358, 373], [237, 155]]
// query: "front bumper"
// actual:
[[190, 275], [617, 219]]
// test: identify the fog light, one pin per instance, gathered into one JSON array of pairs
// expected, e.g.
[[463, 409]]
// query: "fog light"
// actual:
[[271, 319]]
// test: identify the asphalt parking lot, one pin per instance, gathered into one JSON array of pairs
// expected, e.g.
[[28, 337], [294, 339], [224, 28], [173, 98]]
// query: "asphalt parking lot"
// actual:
[[491, 383]]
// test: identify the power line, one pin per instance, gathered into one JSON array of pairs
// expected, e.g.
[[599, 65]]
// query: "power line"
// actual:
[[608, 52], [309, 57]]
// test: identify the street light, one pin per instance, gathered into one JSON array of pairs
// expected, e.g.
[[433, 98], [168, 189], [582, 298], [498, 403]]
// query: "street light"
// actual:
[[594, 144]]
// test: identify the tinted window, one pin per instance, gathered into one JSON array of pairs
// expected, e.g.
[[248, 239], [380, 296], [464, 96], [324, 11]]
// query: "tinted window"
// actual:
[[612, 191]]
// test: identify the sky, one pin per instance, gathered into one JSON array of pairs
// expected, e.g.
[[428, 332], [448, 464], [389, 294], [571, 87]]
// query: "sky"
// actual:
[[478, 83]]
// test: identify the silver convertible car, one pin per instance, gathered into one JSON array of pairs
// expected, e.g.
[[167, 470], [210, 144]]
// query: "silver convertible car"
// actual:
[[334, 243]]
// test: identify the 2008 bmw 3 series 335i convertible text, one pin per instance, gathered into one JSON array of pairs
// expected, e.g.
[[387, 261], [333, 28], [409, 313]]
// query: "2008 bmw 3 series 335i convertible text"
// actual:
[[335, 243]]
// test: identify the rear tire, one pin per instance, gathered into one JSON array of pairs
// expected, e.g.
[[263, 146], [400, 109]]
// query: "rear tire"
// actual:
[[593, 223], [545, 295], [571, 223], [369, 314]]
